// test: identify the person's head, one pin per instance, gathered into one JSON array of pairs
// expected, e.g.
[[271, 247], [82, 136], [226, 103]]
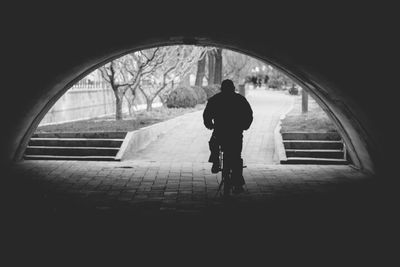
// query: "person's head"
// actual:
[[227, 86]]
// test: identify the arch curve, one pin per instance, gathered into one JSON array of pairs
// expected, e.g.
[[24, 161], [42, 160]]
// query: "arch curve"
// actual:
[[321, 88]]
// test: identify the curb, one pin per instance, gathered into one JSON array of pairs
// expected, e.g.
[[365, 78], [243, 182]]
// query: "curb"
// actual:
[[279, 147]]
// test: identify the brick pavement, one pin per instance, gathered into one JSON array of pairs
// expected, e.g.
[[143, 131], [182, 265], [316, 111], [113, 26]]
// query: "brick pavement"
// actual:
[[169, 211], [157, 187], [171, 176], [163, 211], [162, 206]]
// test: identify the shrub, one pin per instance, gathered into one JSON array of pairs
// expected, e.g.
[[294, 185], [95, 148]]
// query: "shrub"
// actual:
[[200, 93], [182, 97], [293, 90], [274, 83], [211, 90]]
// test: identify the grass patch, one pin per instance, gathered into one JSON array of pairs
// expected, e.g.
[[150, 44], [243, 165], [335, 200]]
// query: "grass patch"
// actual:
[[315, 120], [108, 124]]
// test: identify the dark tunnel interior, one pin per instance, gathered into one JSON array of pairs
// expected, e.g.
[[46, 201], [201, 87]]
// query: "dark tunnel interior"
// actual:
[[344, 56]]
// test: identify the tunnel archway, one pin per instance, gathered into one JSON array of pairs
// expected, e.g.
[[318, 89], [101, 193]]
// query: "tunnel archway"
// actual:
[[347, 122], [330, 47]]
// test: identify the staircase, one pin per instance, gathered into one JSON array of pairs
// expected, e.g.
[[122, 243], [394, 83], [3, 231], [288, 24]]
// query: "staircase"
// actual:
[[314, 148], [75, 146]]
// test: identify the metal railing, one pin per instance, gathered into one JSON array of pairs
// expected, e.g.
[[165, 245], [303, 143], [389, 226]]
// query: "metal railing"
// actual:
[[89, 84]]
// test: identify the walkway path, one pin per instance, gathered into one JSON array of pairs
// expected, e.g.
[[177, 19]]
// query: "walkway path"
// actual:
[[163, 187], [188, 142], [172, 176], [166, 211], [168, 208]]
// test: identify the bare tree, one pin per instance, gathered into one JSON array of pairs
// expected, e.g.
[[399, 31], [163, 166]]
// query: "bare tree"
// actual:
[[218, 66], [211, 67], [114, 74], [237, 66], [130, 97], [125, 74], [201, 70], [152, 71], [138, 65], [304, 100], [173, 64]]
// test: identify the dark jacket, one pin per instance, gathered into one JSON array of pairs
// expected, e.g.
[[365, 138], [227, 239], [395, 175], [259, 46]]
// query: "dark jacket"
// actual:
[[228, 113]]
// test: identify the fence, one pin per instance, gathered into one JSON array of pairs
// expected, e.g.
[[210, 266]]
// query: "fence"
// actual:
[[87, 84]]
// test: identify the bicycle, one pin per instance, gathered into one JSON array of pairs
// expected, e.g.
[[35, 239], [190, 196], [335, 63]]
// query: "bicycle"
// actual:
[[226, 172]]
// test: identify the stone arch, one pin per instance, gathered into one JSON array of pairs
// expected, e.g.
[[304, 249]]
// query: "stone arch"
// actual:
[[349, 125]]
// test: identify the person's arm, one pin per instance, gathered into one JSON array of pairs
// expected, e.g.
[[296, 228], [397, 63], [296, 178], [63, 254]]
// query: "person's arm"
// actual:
[[208, 116], [247, 114]]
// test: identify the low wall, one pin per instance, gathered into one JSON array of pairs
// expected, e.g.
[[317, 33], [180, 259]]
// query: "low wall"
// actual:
[[81, 103], [279, 147]]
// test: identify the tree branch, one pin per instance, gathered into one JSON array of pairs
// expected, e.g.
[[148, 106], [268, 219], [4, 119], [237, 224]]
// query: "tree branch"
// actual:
[[143, 92]]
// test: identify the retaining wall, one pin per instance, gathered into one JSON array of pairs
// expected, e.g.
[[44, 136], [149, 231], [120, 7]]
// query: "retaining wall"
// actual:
[[81, 103]]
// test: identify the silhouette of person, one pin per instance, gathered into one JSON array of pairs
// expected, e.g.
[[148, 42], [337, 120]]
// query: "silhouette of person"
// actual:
[[228, 114]]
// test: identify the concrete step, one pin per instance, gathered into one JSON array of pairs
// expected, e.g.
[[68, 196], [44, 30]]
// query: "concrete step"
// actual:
[[71, 151], [316, 161], [315, 153], [75, 142], [101, 135], [312, 144], [53, 157], [333, 136]]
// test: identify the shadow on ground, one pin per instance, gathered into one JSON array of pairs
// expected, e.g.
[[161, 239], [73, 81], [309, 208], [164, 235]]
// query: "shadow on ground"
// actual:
[[341, 218]]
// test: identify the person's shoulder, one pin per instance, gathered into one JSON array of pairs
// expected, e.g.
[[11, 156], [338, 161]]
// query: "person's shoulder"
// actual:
[[215, 97], [239, 96]]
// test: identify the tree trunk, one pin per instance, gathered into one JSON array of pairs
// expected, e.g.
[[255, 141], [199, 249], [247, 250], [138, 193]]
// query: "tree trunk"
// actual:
[[118, 107], [304, 101], [211, 67], [131, 104], [201, 69], [130, 107], [149, 104], [218, 66], [163, 101]]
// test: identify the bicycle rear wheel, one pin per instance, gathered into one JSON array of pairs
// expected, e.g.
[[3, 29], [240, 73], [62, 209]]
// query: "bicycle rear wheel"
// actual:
[[226, 175]]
